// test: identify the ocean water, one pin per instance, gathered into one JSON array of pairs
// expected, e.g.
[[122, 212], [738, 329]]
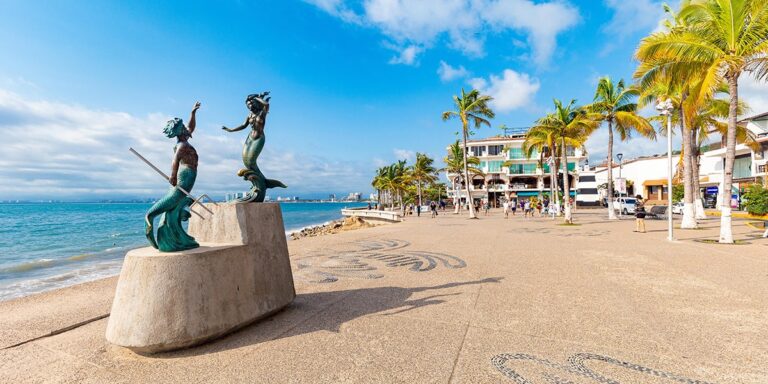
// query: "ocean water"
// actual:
[[49, 246]]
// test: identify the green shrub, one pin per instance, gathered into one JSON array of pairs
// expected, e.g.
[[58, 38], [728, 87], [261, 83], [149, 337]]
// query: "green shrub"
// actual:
[[756, 200], [678, 192]]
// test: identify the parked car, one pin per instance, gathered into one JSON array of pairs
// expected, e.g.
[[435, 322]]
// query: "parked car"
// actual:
[[625, 205], [677, 208]]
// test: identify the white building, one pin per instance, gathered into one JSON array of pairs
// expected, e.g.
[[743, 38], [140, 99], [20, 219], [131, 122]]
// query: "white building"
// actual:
[[646, 176], [521, 178], [749, 167]]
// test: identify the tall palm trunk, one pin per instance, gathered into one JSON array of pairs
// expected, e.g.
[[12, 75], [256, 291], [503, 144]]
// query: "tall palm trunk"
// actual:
[[456, 196], [566, 185], [418, 187], [689, 218], [378, 199], [466, 172], [609, 198], [726, 233], [553, 179], [698, 204]]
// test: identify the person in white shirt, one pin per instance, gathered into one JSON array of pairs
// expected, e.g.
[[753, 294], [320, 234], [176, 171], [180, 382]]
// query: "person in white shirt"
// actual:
[[506, 209]]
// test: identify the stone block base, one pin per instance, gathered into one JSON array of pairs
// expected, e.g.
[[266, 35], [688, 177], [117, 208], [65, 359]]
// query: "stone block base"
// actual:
[[240, 273]]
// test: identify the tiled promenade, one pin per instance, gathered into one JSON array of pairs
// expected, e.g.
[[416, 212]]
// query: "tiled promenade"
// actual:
[[449, 300]]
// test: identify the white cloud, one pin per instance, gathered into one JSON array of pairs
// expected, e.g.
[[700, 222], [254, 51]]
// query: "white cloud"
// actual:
[[755, 93], [448, 73], [510, 91], [630, 17], [56, 150], [464, 23], [405, 154], [407, 55], [541, 22]]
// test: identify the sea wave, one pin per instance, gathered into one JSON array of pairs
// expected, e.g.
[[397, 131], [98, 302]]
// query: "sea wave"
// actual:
[[39, 264], [29, 266], [31, 286]]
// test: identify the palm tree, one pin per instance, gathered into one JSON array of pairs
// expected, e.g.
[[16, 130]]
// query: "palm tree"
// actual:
[[398, 181], [378, 183], [687, 98], [422, 172], [532, 148], [545, 141], [615, 105], [719, 40], [472, 108], [454, 165], [571, 125]]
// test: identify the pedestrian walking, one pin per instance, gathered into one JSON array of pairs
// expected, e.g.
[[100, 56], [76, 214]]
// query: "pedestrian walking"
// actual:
[[639, 214], [485, 207], [506, 209], [527, 208], [369, 206], [433, 209], [418, 210], [514, 207]]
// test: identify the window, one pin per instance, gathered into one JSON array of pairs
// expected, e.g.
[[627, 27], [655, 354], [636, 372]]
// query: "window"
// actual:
[[761, 168], [494, 166], [742, 167], [495, 150], [587, 178], [515, 153], [476, 150], [588, 191], [529, 169]]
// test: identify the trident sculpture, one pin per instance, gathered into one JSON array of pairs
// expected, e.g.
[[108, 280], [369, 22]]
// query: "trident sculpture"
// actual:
[[172, 208]]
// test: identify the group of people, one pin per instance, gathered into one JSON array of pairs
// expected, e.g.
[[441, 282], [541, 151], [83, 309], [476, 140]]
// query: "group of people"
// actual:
[[531, 207]]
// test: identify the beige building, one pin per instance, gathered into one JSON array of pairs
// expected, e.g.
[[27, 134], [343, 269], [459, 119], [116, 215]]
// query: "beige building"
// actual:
[[521, 178]]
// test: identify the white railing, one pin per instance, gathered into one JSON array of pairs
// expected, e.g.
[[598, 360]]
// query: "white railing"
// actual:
[[372, 214]]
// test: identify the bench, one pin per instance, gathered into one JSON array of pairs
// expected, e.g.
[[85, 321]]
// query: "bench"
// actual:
[[657, 212]]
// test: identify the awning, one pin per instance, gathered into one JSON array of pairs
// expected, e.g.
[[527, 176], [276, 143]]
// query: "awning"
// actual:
[[534, 193], [655, 182]]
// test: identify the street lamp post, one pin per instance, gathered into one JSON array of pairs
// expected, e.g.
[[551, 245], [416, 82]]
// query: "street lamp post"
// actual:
[[665, 108]]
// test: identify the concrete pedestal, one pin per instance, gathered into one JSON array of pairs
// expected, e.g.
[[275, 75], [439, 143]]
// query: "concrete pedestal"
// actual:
[[240, 273]]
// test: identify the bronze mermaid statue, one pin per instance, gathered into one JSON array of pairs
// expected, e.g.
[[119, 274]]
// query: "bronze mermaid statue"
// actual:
[[172, 208], [258, 105]]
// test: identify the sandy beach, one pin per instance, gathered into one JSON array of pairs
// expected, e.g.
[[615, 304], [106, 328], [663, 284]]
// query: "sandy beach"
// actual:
[[451, 300]]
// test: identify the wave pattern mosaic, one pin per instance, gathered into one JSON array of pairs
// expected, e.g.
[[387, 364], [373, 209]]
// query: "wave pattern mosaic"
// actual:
[[582, 368], [370, 259]]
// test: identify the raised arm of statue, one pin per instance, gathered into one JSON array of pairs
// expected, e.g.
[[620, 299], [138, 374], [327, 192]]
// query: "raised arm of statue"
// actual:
[[192, 123], [238, 128]]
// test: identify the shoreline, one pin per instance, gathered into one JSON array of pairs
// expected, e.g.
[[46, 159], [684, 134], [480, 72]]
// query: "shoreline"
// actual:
[[111, 268]]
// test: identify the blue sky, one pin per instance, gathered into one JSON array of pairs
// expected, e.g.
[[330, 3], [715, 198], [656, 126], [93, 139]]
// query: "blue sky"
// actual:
[[355, 84]]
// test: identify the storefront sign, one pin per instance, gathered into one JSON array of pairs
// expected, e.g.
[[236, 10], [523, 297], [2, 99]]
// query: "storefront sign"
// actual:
[[711, 190]]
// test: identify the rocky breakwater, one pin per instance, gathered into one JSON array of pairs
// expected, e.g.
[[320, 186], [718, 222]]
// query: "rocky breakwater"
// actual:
[[336, 226]]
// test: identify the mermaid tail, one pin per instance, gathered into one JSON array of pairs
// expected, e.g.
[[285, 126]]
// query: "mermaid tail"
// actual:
[[259, 183], [172, 209]]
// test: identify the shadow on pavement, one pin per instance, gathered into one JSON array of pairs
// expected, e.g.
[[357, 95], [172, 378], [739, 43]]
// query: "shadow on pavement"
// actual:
[[310, 312]]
